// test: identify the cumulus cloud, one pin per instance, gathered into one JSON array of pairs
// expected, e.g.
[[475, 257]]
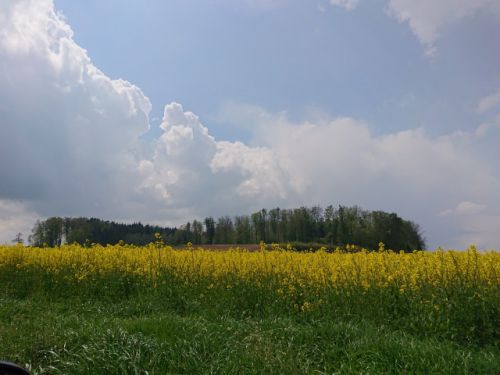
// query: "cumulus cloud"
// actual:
[[180, 164], [258, 167], [409, 172], [191, 170], [336, 160], [69, 137], [68, 132]]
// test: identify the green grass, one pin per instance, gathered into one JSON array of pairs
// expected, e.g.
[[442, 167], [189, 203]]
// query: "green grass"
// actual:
[[145, 336]]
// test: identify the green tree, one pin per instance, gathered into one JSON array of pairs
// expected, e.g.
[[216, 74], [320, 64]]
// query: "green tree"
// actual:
[[224, 231], [197, 232], [210, 229], [243, 229]]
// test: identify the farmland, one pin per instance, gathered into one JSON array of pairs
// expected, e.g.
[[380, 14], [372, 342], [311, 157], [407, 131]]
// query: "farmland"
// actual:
[[127, 309]]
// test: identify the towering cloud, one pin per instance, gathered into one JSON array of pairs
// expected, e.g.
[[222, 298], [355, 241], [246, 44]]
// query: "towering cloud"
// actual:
[[69, 133], [69, 136]]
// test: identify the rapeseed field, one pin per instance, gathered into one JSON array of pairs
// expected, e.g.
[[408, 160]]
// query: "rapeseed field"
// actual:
[[449, 296]]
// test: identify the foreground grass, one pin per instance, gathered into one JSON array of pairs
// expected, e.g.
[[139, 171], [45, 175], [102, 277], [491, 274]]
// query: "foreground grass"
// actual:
[[139, 337]]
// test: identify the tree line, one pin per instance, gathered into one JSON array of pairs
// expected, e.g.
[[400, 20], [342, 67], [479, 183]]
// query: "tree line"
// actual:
[[331, 226]]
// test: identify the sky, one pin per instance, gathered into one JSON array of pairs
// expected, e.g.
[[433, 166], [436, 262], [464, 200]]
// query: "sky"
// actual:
[[167, 111]]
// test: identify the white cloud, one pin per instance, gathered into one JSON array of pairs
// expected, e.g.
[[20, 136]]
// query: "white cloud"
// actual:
[[69, 137], [68, 132], [489, 102], [428, 18], [190, 169], [408, 172], [464, 208], [347, 4], [259, 167]]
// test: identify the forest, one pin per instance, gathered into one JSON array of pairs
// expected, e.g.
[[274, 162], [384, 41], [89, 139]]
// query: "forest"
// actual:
[[304, 226]]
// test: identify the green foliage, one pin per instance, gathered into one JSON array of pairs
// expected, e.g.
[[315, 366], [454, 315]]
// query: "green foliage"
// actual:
[[54, 231], [332, 227]]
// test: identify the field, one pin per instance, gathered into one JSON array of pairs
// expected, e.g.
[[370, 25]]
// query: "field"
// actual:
[[156, 310]]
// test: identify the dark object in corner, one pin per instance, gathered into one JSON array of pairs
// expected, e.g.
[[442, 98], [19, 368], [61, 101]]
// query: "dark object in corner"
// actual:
[[8, 368]]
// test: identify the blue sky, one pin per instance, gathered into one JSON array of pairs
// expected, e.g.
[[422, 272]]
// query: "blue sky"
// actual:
[[168, 111], [295, 56]]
